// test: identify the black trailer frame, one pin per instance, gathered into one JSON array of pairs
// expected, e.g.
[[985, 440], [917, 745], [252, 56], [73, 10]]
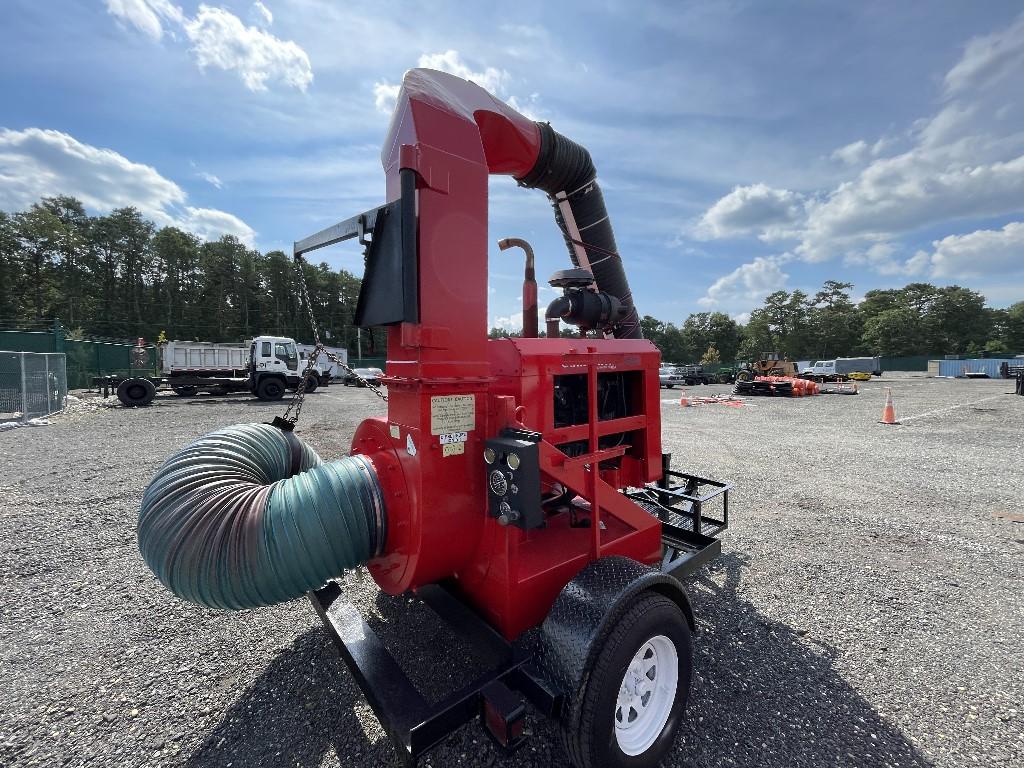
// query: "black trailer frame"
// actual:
[[415, 725]]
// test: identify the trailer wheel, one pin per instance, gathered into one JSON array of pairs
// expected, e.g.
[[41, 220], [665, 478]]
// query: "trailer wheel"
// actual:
[[270, 389], [135, 392], [185, 391], [630, 705]]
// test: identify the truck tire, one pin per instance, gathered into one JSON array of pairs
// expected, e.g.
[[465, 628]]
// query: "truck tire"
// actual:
[[312, 383], [185, 391], [628, 710], [270, 389], [136, 392]]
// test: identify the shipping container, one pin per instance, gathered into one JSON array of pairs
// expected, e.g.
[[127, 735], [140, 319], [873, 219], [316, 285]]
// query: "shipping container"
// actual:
[[960, 368]]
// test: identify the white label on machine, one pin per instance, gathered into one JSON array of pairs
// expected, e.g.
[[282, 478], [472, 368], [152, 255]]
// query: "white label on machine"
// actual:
[[395, 431], [410, 446], [453, 449], [452, 413], [454, 437]]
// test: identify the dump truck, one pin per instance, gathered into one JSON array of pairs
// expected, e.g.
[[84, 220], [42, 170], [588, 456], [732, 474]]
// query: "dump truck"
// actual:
[[266, 366]]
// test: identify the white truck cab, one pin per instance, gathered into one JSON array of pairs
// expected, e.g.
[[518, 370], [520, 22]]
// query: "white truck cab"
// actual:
[[273, 367], [822, 368]]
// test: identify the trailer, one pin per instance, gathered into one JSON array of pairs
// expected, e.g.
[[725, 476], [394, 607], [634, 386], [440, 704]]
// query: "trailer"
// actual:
[[693, 375], [266, 366], [326, 368], [517, 485]]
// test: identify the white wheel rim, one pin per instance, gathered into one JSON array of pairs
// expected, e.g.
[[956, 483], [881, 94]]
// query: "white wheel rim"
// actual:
[[646, 695]]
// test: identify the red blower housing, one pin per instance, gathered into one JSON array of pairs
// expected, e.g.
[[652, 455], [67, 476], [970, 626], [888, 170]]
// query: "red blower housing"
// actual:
[[585, 412]]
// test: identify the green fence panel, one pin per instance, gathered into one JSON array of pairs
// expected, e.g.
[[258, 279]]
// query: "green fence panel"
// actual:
[[27, 341], [367, 362], [913, 363]]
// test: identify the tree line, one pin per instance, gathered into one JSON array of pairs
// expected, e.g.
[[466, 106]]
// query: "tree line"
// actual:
[[120, 276], [917, 319]]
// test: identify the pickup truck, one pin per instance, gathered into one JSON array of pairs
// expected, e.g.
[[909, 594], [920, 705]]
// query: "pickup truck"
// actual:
[[842, 369]]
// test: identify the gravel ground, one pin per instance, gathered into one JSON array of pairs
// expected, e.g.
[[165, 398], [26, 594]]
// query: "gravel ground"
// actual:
[[867, 609]]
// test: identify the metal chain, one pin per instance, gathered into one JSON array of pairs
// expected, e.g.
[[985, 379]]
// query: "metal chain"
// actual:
[[300, 391]]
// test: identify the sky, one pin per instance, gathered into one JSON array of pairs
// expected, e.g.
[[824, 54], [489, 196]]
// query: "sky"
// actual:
[[743, 147]]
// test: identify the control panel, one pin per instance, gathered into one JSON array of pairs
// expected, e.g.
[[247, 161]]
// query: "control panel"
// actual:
[[512, 462]]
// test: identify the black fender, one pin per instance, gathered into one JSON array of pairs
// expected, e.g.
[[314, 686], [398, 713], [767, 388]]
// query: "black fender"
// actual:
[[586, 611]]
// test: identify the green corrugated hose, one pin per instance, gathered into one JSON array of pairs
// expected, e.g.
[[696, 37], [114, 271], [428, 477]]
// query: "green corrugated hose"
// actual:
[[249, 515]]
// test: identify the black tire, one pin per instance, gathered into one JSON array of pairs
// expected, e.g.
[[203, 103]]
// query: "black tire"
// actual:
[[588, 728], [669, 386], [744, 376], [185, 391], [312, 383], [136, 392], [270, 389]]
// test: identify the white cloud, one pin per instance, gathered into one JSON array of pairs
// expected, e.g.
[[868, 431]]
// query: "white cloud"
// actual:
[[988, 59], [964, 162], [749, 283], [145, 15], [859, 151], [211, 179], [513, 322], [210, 223], [221, 40], [490, 78], [756, 209], [262, 14], [37, 163], [495, 81], [981, 253], [385, 95]]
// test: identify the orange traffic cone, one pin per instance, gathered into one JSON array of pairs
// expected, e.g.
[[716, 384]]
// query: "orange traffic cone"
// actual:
[[684, 400], [889, 412]]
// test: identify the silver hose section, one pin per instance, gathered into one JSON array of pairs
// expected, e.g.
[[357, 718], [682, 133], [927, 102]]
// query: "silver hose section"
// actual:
[[250, 515]]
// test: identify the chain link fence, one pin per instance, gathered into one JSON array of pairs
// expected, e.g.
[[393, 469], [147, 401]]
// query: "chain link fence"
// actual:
[[32, 384]]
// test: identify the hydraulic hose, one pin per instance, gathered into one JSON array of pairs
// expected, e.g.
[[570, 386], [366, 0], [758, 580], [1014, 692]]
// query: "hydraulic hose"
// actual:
[[250, 515], [563, 166]]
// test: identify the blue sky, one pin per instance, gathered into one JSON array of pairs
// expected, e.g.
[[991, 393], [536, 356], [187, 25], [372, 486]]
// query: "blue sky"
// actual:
[[744, 147]]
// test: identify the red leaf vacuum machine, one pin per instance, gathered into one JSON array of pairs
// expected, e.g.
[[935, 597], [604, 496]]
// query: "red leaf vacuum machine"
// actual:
[[517, 486]]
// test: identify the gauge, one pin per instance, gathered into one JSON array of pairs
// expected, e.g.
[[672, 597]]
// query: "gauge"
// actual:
[[490, 455], [513, 461], [498, 483]]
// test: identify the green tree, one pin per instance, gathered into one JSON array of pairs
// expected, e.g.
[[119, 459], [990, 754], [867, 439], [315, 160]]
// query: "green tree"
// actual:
[[893, 332], [711, 356], [835, 323]]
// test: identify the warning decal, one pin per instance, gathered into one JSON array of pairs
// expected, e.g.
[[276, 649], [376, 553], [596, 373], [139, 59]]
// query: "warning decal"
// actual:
[[452, 413], [453, 449]]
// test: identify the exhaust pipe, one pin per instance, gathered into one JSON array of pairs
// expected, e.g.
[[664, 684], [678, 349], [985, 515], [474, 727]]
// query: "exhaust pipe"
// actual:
[[529, 285]]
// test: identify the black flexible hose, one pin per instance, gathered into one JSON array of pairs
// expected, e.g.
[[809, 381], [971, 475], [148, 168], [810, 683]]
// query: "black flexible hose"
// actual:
[[565, 166]]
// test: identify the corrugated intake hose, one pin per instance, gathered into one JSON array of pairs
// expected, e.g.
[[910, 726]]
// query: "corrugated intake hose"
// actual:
[[564, 166], [249, 515]]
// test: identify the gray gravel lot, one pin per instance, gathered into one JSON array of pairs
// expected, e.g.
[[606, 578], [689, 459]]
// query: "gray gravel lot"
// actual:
[[867, 609]]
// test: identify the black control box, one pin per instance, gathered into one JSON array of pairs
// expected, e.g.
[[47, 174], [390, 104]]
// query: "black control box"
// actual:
[[512, 462]]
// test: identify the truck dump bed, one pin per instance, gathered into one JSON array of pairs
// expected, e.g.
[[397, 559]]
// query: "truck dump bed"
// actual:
[[204, 358]]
